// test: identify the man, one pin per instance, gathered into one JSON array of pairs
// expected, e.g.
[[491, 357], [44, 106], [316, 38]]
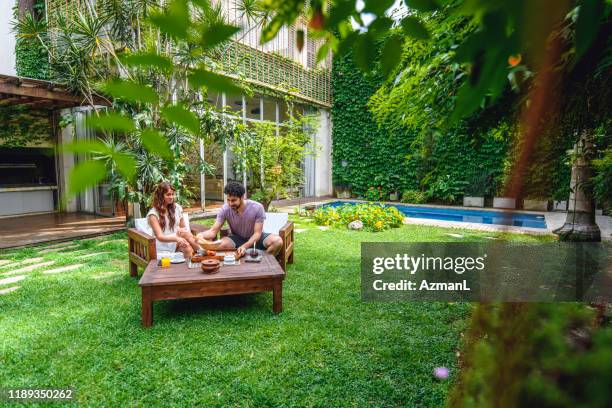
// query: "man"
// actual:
[[245, 219]]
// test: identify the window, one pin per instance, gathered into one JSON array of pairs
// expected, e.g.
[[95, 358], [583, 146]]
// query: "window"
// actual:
[[253, 108]]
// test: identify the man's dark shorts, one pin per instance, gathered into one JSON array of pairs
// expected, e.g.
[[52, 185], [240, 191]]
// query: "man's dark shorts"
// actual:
[[239, 241]]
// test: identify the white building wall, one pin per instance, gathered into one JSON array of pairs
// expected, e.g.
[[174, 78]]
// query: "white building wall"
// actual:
[[7, 38]]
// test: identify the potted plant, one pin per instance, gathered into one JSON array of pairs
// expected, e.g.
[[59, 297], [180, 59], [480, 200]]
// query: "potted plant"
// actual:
[[339, 190], [393, 186], [475, 191], [342, 190], [500, 200], [504, 202]]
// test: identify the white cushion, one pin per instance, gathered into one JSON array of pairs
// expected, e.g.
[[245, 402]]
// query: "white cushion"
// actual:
[[186, 221], [274, 222], [142, 225]]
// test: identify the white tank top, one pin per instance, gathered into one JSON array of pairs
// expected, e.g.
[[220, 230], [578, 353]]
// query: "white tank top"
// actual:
[[178, 215]]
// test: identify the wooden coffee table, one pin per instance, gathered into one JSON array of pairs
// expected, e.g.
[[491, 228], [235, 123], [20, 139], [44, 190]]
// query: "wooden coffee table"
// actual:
[[180, 282]]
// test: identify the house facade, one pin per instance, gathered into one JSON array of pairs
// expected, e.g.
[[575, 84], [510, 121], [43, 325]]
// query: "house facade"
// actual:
[[273, 70]]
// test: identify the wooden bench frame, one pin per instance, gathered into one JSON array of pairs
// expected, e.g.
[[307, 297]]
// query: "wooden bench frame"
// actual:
[[142, 249]]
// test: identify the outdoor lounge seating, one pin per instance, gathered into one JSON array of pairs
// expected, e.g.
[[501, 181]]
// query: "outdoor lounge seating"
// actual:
[[142, 249]]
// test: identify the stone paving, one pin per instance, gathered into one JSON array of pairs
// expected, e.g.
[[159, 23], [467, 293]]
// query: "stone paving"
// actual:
[[9, 290], [17, 270], [64, 268], [29, 268]]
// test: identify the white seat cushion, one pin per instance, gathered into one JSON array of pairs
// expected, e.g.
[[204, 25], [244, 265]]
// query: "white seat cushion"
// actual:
[[274, 222], [142, 225], [186, 221]]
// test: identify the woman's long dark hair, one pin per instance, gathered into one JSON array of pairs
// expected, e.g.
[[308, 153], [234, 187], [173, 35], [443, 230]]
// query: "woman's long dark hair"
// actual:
[[157, 202]]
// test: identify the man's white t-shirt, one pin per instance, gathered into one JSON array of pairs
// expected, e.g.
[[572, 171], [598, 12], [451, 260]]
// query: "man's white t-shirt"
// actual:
[[178, 216]]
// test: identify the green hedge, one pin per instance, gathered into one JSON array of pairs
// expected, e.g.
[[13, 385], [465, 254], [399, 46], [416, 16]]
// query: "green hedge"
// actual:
[[534, 355]]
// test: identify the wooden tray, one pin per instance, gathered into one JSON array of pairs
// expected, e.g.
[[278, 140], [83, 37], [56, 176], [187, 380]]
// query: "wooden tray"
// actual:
[[221, 257]]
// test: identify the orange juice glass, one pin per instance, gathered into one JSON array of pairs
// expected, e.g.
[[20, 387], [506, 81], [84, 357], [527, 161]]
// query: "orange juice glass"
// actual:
[[165, 262]]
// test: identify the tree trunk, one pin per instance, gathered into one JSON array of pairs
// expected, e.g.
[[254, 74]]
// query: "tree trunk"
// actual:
[[580, 223], [25, 7]]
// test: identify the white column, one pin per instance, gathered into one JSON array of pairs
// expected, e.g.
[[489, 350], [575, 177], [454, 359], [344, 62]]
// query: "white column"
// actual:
[[277, 118], [223, 103], [202, 179], [7, 51], [323, 160], [66, 162], [244, 173]]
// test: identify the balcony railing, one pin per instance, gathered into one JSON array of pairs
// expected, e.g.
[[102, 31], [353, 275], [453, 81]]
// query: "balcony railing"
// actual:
[[277, 65]]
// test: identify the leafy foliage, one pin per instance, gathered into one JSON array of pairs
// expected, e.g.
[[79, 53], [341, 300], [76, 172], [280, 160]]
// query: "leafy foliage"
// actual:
[[31, 58], [402, 156], [504, 29], [553, 355], [23, 126], [414, 197], [274, 162], [152, 60], [374, 217]]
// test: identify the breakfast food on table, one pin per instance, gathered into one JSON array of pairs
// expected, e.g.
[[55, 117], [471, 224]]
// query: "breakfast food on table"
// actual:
[[197, 258], [208, 244], [210, 265]]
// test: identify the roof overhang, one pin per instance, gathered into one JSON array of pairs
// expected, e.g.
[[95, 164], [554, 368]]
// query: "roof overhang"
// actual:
[[40, 94]]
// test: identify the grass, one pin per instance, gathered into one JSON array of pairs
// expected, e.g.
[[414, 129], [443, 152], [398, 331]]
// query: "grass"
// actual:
[[328, 348]]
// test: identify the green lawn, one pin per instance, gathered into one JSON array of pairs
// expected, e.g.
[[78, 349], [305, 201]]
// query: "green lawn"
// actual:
[[81, 328]]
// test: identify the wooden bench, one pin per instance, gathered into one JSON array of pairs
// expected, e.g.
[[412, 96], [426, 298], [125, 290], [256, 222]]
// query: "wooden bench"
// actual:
[[142, 249]]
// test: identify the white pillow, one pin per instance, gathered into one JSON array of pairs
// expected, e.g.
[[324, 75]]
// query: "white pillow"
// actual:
[[186, 220], [274, 222], [142, 225]]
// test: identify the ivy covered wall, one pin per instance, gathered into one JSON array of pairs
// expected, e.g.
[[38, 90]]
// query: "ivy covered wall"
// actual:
[[31, 58], [442, 165], [24, 127]]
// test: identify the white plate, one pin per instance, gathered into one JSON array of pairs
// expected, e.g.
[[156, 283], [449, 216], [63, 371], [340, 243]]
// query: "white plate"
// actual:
[[177, 258]]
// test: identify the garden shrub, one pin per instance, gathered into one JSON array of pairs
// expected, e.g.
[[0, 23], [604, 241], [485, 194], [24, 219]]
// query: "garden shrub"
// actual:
[[534, 355], [603, 180], [374, 217], [414, 197], [376, 194]]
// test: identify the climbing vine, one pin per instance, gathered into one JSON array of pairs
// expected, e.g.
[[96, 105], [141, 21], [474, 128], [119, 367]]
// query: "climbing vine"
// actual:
[[31, 58], [442, 164], [22, 126]]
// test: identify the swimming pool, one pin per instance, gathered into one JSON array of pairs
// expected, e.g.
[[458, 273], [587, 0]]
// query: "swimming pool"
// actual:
[[463, 215]]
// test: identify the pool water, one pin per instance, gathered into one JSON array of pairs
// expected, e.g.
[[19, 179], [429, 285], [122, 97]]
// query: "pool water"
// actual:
[[463, 215]]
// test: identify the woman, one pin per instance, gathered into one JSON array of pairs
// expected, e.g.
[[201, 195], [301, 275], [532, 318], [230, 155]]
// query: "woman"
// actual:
[[166, 219]]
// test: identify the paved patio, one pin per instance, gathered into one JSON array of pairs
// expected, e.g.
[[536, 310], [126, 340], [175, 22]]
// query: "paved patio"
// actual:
[[33, 229]]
